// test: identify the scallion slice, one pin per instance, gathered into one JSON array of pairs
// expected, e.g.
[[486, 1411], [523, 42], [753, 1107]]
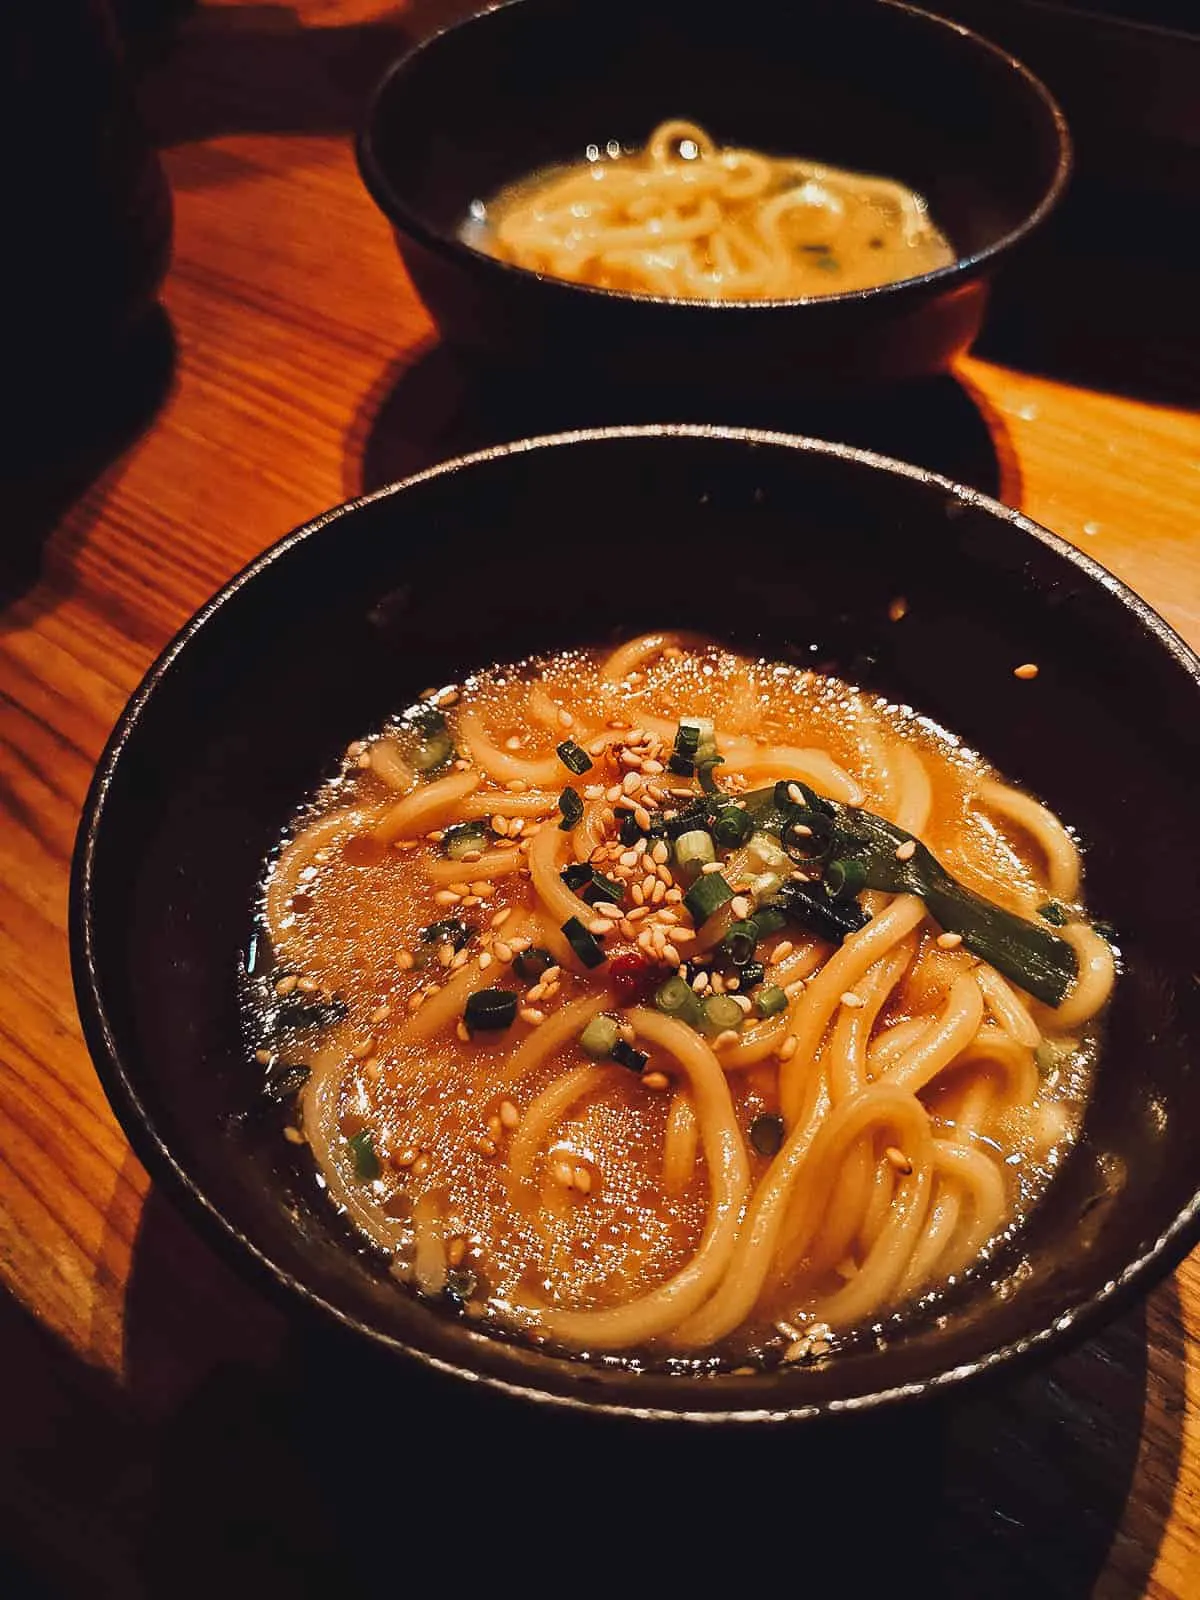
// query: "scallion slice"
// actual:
[[766, 1134], [677, 998], [626, 1056], [463, 838], [584, 880], [531, 963], [571, 807], [490, 1009], [362, 1154], [708, 894], [719, 1013], [731, 827], [585, 945], [681, 766], [739, 943], [693, 851], [753, 972], [846, 878], [599, 1037], [705, 770], [452, 930], [770, 1000], [574, 757]]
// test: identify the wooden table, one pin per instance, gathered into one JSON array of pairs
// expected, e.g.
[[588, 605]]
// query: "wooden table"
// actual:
[[157, 1429]]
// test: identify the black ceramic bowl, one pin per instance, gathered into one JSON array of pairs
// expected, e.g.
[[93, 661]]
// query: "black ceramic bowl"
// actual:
[[804, 545], [865, 84]]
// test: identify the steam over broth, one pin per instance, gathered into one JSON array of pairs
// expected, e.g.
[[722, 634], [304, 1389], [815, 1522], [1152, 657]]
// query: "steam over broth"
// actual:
[[643, 1007], [687, 219]]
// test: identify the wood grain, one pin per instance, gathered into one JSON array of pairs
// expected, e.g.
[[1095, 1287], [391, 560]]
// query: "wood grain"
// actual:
[[136, 1368]]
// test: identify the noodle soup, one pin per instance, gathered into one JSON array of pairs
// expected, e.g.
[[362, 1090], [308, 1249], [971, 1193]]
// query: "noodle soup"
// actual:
[[665, 1004], [688, 219]]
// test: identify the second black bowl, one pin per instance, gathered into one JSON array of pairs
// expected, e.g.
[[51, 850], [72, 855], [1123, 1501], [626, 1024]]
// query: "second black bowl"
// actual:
[[865, 84]]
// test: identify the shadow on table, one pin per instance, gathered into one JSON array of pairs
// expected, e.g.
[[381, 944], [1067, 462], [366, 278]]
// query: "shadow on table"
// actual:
[[53, 451], [246, 1454], [439, 406]]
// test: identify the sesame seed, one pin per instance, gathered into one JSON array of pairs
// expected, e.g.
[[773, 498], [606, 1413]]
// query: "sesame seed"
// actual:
[[500, 826], [446, 953], [532, 1016], [485, 1147], [631, 782], [852, 1000], [613, 795], [563, 1173], [593, 792], [1026, 671], [681, 935], [597, 747], [744, 1002], [700, 982], [447, 897], [897, 609], [406, 1157], [583, 1180], [420, 1166], [907, 850], [565, 719], [598, 925], [485, 960], [625, 1030], [627, 928], [285, 986], [671, 954], [712, 866], [658, 893], [898, 1159], [641, 816], [639, 894], [788, 1048], [483, 888], [660, 854], [516, 785], [510, 1117], [652, 766], [263, 1057], [381, 1013], [740, 906], [655, 1081], [501, 917], [513, 742], [605, 908], [949, 941], [294, 1136], [795, 794], [728, 1037], [462, 1032], [455, 1251], [471, 855], [495, 1127]]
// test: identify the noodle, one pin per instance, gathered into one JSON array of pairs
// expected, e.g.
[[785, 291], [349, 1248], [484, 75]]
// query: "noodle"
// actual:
[[546, 1078], [687, 219]]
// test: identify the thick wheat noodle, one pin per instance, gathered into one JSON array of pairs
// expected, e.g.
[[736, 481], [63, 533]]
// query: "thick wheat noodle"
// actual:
[[890, 1044], [882, 1106], [429, 1260], [491, 864], [558, 1030], [680, 1144], [546, 854], [812, 1010], [982, 1181], [663, 1308], [754, 1044], [390, 766], [499, 764], [915, 791], [543, 709], [451, 999], [1017, 1064], [500, 803], [1097, 972], [956, 1025], [431, 806], [646, 647], [755, 1248], [941, 1224], [1007, 1008], [817, 768], [294, 858], [1056, 844], [319, 1104], [548, 1109], [590, 833], [847, 1057], [871, 741]]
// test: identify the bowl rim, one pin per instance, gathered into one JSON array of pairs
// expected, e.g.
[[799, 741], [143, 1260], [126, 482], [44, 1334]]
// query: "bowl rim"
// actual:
[[1069, 1326], [407, 220]]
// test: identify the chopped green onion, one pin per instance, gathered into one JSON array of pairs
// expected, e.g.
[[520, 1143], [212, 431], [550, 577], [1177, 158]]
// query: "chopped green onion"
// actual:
[[845, 879], [629, 832], [463, 838], [461, 1284], [682, 766], [767, 854], [362, 1154], [677, 998], [692, 817], [707, 894], [433, 746], [769, 919], [1054, 913], [490, 1009], [574, 757], [766, 1134], [694, 736], [585, 945], [584, 880], [767, 885], [571, 807], [770, 1000], [807, 836], [731, 827], [599, 1037], [531, 963], [284, 1080], [740, 942], [453, 930], [719, 1013], [692, 853], [704, 771], [626, 1056], [753, 972]]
